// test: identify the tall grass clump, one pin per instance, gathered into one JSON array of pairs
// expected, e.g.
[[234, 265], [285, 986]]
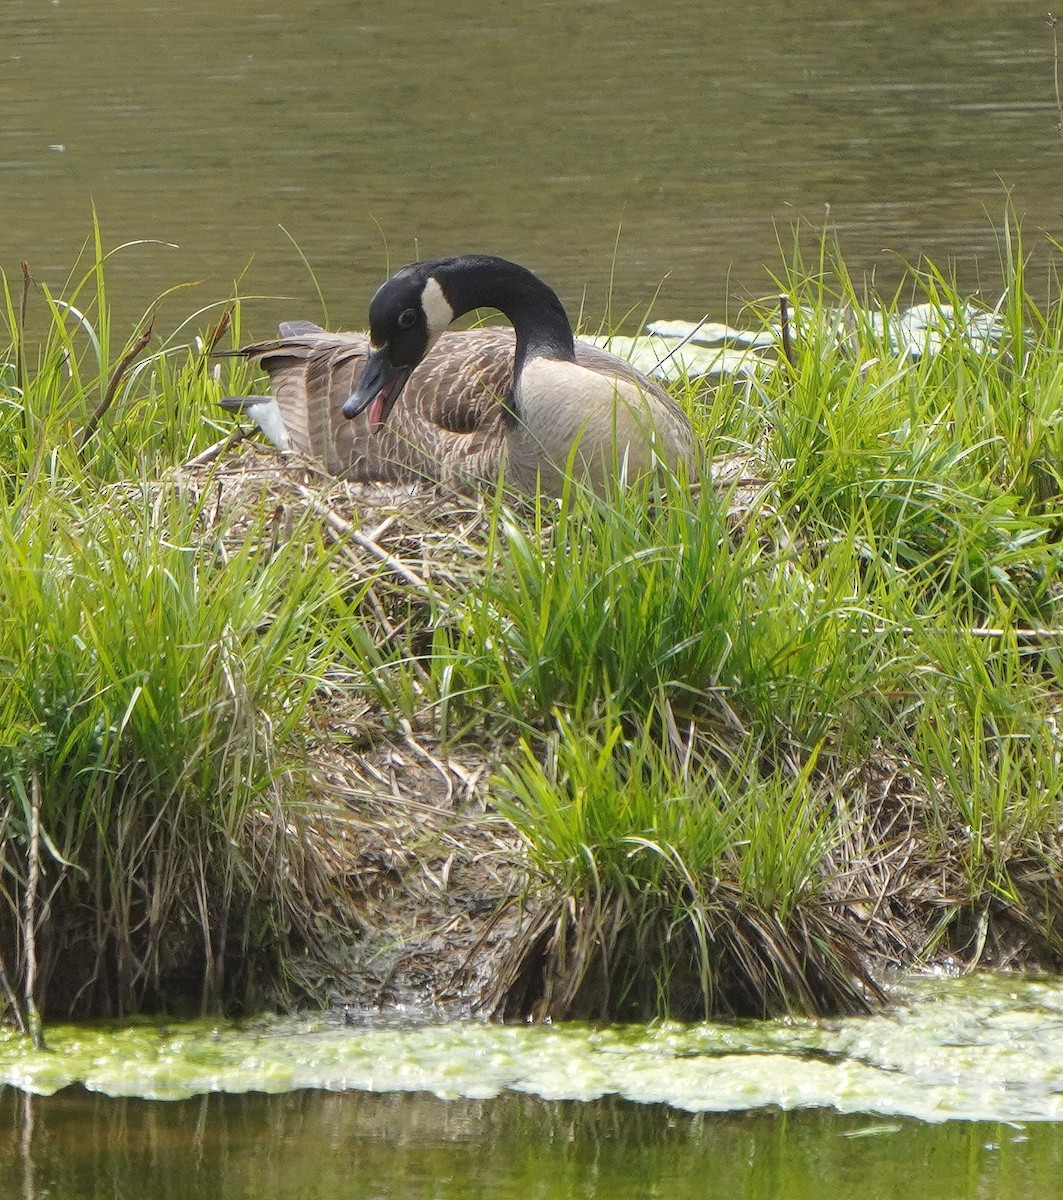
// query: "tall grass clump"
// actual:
[[685, 880], [596, 603], [148, 677], [685, 693], [599, 606], [80, 404], [155, 673], [699, 701], [932, 440], [986, 738]]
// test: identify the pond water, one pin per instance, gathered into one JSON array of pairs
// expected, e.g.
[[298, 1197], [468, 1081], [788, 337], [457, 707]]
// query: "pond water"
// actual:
[[957, 1090], [349, 1146], [616, 146]]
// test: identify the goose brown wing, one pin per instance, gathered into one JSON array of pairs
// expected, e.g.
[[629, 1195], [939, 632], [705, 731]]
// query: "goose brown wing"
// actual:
[[311, 374], [449, 421]]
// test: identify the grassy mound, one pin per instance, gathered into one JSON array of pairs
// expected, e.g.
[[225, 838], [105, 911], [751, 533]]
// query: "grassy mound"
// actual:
[[745, 747]]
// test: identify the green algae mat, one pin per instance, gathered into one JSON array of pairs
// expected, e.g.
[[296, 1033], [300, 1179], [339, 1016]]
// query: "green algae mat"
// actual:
[[954, 1093], [984, 1048]]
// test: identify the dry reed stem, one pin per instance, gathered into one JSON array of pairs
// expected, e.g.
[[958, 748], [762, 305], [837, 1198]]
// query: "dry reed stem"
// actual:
[[12, 1000], [787, 341], [117, 375], [214, 335], [346, 529], [33, 875], [220, 447]]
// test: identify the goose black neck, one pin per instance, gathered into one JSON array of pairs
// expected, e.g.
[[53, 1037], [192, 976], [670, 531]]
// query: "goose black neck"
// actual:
[[537, 315]]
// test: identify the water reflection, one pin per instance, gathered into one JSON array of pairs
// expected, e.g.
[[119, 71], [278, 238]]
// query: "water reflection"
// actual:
[[323, 1146], [535, 130]]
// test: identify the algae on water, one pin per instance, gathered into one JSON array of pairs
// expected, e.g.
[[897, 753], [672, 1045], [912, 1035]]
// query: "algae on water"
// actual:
[[983, 1048]]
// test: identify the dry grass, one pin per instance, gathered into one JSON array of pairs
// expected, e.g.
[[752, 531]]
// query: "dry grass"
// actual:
[[402, 835]]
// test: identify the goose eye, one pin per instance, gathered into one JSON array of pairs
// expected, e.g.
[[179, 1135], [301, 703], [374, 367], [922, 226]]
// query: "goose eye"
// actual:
[[407, 318]]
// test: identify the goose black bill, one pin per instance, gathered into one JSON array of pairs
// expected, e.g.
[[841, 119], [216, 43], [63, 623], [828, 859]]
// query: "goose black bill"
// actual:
[[377, 389]]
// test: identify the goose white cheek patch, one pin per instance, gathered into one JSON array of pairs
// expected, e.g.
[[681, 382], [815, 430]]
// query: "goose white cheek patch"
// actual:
[[437, 311]]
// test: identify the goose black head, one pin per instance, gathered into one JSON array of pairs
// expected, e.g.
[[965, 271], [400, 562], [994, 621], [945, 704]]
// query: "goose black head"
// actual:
[[406, 316]]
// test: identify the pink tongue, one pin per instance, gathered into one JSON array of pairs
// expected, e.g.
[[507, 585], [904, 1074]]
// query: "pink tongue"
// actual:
[[375, 416]]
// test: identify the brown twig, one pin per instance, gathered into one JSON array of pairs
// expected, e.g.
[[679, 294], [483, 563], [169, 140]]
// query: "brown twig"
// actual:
[[342, 526], [787, 343], [124, 363]]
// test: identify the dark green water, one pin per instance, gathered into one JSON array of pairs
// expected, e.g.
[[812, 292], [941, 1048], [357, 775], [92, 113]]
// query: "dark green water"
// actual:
[[955, 1091], [616, 146], [328, 1146]]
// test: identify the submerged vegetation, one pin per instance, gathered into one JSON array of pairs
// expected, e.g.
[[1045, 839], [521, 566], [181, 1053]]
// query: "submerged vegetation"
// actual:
[[743, 747]]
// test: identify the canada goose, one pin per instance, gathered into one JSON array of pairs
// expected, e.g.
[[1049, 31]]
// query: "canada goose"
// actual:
[[461, 415], [448, 427]]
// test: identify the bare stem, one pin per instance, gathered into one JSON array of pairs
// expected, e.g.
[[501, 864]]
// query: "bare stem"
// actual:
[[12, 999], [787, 343], [33, 876], [124, 363]]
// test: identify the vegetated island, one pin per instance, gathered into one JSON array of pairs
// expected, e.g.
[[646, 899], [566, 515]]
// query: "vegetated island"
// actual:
[[759, 745]]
